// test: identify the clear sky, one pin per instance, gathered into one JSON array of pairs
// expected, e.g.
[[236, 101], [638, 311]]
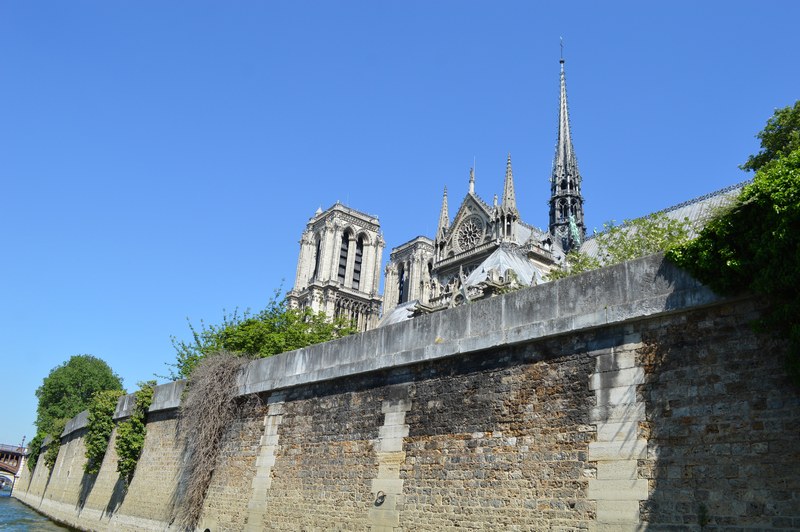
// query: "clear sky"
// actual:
[[159, 160]]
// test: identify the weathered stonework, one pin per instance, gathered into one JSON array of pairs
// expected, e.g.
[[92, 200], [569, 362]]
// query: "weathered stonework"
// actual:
[[629, 398]]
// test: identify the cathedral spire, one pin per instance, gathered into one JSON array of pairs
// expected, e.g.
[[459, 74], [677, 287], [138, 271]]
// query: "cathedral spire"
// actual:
[[509, 197], [566, 202], [472, 180], [444, 216]]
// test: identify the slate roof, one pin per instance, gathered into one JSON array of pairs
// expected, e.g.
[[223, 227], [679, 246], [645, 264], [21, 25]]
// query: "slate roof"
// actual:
[[696, 210]]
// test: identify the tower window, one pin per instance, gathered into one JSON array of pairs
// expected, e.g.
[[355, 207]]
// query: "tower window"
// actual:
[[343, 257], [401, 284], [357, 263]]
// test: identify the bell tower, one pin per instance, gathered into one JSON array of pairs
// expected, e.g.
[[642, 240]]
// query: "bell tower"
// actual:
[[338, 271]]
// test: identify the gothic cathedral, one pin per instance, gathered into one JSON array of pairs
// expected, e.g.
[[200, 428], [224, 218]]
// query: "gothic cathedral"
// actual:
[[483, 250]]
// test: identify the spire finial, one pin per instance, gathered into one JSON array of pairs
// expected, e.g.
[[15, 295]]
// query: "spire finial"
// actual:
[[444, 216], [509, 197]]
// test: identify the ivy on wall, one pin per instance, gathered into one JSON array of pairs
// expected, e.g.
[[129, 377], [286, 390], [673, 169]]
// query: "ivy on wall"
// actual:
[[131, 432], [100, 424]]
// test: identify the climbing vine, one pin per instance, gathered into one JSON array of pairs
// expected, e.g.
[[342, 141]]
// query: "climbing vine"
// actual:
[[51, 453], [131, 432], [99, 426], [207, 408]]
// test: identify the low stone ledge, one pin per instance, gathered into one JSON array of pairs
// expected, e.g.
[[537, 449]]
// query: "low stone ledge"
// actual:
[[629, 291]]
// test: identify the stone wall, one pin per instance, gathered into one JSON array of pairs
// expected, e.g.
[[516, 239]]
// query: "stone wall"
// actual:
[[624, 399]]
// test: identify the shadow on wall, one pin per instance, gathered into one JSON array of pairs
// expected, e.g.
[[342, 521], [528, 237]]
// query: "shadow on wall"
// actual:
[[87, 483], [117, 497], [722, 420]]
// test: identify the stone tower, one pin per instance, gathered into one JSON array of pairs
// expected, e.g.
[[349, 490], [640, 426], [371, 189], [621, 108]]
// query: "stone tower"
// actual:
[[338, 271], [566, 202]]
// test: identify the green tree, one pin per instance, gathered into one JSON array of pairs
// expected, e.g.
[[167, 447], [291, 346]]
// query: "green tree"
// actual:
[[64, 393], [631, 240], [780, 137], [69, 388], [273, 330], [755, 245]]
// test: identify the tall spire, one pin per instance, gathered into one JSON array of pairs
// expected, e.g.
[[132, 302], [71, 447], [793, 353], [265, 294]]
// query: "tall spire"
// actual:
[[472, 180], [566, 202], [509, 198], [444, 216]]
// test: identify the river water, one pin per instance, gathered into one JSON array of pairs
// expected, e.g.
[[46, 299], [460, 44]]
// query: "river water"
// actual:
[[16, 517]]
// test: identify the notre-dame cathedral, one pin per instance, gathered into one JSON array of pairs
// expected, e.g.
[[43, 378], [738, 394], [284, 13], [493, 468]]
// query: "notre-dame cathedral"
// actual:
[[484, 249]]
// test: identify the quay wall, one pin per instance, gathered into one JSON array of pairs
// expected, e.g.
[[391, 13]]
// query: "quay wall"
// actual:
[[628, 398]]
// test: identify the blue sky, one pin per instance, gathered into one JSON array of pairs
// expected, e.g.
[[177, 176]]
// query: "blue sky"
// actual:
[[159, 160]]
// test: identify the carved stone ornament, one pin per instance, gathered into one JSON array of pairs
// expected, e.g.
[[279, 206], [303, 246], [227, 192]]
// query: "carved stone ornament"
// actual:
[[470, 233]]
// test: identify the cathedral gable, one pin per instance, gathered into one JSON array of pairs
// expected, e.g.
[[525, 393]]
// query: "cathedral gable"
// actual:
[[471, 227]]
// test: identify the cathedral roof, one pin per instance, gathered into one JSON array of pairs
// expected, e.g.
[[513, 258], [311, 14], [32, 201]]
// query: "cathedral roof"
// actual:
[[502, 260], [696, 211], [401, 312]]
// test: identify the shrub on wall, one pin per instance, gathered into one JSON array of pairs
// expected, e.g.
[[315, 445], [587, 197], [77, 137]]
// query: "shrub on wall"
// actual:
[[100, 424], [631, 240], [755, 245], [131, 432], [273, 330]]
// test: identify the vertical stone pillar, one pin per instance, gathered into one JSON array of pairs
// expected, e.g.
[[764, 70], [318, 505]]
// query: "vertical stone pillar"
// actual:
[[376, 264], [259, 493], [618, 489], [367, 267], [330, 252], [305, 263], [387, 488], [390, 294]]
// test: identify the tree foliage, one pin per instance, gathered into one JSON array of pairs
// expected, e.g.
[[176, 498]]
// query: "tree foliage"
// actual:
[[575, 262], [631, 240], [132, 432], [66, 392], [755, 246], [99, 426], [779, 138], [274, 330], [34, 449]]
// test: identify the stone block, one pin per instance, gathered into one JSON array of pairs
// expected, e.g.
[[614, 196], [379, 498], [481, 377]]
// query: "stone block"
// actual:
[[618, 450], [379, 517], [615, 361], [529, 306], [387, 485], [627, 430], [390, 444], [617, 469], [617, 413], [617, 490], [392, 419], [616, 396], [618, 512], [616, 378], [481, 342]]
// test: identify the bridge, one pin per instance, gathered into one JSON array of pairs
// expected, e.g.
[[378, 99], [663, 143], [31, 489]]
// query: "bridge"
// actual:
[[12, 458]]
